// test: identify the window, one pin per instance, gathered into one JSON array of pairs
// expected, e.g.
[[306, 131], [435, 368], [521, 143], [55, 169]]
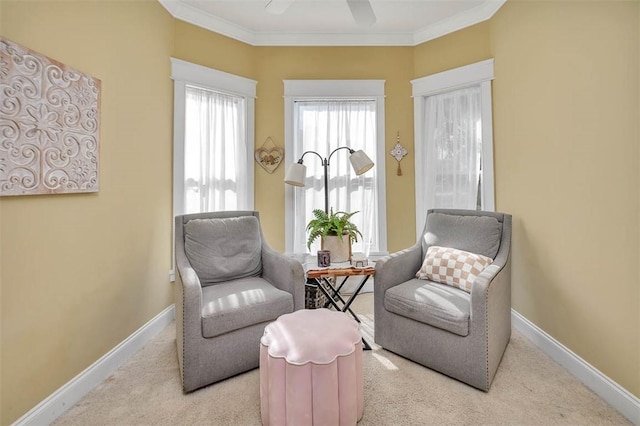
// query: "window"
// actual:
[[320, 116], [454, 140], [213, 139]]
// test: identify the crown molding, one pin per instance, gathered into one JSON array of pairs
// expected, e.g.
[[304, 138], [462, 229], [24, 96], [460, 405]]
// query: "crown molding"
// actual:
[[187, 13], [332, 39], [459, 21], [192, 15]]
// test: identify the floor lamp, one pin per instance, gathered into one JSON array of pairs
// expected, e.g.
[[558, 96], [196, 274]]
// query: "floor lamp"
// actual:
[[297, 172]]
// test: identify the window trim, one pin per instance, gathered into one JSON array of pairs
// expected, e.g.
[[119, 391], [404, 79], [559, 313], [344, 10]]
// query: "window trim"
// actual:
[[185, 73], [479, 73], [301, 90]]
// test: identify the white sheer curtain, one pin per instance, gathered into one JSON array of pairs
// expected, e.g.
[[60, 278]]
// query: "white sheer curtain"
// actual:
[[215, 151], [323, 126], [453, 125]]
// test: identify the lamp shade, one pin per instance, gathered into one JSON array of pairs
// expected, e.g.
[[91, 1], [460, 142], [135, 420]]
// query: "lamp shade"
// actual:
[[296, 174], [360, 162]]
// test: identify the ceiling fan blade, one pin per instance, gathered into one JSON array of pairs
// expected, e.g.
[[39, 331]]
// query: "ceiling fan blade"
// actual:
[[277, 7], [362, 12]]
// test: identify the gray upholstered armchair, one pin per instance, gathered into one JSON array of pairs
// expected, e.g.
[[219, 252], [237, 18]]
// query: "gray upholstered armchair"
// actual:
[[229, 285], [461, 334]]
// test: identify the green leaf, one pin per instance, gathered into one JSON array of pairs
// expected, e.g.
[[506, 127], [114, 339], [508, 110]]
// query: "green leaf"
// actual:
[[338, 223]]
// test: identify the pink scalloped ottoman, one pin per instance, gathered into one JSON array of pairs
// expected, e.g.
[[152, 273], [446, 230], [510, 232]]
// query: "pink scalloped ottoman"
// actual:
[[311, 370]]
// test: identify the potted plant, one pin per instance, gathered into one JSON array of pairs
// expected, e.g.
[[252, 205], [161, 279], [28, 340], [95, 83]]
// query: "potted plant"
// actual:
[[332, 229]]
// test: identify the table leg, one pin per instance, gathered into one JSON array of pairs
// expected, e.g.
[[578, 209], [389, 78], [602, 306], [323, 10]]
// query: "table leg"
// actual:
[[331, 300], [336, 293], [365, 345], [355, 293], [328, 296], [346, 307]]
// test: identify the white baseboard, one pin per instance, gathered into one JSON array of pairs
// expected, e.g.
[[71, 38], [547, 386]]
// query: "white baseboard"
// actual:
[[66, 396], [618, 397]]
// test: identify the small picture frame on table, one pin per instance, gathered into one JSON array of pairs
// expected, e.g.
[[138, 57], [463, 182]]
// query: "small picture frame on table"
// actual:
[[324, 258]]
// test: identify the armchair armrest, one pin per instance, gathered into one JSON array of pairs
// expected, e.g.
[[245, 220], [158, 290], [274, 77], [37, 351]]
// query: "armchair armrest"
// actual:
[[494, 282], [188, 294], [491, 313], [188, 309], [285, 274], [491, 301], [482, 283], [397, 268]]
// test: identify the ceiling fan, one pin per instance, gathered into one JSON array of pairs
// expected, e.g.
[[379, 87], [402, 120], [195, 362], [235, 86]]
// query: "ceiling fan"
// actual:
[[360, 10]]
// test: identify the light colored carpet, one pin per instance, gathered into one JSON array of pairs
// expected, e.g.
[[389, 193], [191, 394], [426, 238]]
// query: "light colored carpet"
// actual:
[[529, 389]]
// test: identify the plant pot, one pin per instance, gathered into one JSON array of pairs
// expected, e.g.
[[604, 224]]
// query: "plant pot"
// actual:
[[340, 249]]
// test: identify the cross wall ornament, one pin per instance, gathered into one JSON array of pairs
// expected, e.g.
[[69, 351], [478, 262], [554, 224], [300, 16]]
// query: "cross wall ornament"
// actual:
[[398, 152]]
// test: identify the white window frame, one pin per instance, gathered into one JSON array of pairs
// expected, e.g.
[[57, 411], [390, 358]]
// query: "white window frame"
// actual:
[[480, 73], [301, 90], [186, 73]]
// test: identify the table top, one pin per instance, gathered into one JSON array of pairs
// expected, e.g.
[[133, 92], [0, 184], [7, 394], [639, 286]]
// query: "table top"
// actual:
[[340, 272]]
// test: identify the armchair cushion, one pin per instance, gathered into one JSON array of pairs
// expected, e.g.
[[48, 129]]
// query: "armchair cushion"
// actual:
[[475, 234], [451, 266], [241, 303], [438, 305], [223, 249]]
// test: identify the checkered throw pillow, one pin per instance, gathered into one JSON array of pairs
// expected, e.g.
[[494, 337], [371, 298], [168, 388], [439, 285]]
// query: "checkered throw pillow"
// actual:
[[451, 266]]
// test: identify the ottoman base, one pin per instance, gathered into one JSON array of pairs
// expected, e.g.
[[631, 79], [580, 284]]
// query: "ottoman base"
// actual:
[[311, 370]]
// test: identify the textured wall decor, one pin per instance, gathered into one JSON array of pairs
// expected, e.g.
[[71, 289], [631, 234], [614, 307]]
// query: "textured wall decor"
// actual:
[[49, 125]]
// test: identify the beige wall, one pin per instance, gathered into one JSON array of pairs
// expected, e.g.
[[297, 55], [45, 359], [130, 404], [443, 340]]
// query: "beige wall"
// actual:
[[566, 152], [91, 269], [391, 64], [203, 47], [455, 50], [80, 273]]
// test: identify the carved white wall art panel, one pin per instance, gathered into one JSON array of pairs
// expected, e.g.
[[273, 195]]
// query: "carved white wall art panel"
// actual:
[[49, 125]]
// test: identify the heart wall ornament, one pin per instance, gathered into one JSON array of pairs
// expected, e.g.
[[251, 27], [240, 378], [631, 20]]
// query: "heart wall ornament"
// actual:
[[269, 155]]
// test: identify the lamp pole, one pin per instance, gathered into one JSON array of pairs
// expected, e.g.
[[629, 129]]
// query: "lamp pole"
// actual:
[[325, 167]]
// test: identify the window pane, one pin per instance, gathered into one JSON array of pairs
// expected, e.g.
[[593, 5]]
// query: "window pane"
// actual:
[[453, 149], [323, 126], [215, 151], [441, 94]]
